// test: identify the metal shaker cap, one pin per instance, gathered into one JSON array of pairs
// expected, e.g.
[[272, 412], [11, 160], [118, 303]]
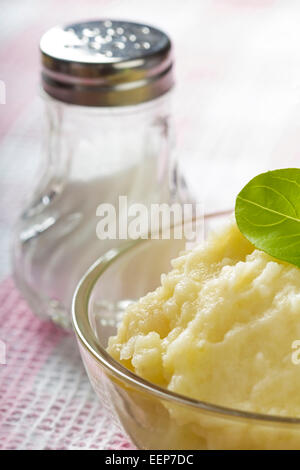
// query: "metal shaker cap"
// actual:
[[106, 63]]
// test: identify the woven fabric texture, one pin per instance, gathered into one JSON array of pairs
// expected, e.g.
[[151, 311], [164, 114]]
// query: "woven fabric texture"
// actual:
[[46, 401]]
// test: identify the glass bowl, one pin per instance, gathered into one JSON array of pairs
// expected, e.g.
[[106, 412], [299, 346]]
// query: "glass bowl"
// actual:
[[153, 417]]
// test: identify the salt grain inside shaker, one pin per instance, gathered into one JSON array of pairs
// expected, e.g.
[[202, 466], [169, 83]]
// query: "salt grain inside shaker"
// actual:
[[106, 89]]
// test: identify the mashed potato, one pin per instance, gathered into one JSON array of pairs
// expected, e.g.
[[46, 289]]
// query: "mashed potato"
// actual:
[[220, 328]]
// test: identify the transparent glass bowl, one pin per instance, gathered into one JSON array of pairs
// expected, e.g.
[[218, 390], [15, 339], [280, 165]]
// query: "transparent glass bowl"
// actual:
[[153, 417]]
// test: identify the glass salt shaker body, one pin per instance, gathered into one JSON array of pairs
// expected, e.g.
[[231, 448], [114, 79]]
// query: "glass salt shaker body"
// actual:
[[106, 88]]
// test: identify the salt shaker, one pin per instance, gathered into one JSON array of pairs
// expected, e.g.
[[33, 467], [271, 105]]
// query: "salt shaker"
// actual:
[[106, 87]]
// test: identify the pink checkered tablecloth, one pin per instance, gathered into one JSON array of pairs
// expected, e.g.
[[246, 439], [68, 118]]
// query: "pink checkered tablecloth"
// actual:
[[237, 108]]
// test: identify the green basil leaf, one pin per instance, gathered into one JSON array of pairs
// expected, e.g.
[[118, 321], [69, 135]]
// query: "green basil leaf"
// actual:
[[267, 212]]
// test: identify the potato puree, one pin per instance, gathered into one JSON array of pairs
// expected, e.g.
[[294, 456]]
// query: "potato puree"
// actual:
[[220, 328]]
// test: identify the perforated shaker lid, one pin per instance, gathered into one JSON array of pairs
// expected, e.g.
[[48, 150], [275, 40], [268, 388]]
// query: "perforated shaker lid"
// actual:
[[106, 63]]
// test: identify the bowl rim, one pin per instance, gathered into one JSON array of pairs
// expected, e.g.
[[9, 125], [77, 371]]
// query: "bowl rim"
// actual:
[[88, 340]]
